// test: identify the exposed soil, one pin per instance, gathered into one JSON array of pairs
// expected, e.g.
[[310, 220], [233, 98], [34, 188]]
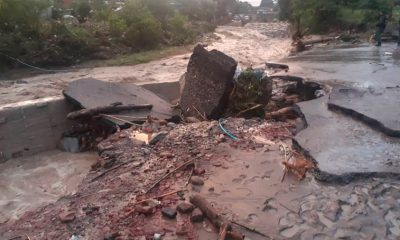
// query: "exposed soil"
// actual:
[[242, 180]]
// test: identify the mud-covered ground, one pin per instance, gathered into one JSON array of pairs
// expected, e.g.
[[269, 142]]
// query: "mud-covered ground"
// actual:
[[241, 179], [252, 44]]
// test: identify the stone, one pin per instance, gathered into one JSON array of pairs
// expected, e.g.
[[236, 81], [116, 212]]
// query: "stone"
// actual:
[[157, 236], [198, 181], [166, 154], [197, 215], [146, 210], [146, 151], [207, 83], [171, 125], [70, 144], [168, 212], [155, 138], [192, 120], [199, 171], [185, 207], [67, 216]]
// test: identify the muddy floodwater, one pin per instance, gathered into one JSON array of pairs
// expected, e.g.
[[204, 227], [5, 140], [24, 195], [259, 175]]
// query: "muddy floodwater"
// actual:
[[31, 182]]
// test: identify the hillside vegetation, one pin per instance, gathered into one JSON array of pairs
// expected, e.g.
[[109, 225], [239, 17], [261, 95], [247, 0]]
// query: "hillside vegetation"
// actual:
[[317, 16], [45, 34]]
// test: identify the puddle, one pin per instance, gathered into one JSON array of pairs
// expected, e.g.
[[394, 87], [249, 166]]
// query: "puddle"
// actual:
[[31, 182]]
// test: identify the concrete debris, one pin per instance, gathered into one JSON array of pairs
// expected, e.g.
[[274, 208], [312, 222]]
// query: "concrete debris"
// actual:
[[185, 207], [67, 216], [197, 215], [197, 181], [208, 83], [91, 93], [168, 212]]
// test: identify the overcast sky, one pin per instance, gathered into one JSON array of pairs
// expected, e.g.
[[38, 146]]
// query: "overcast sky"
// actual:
[[254, 2]]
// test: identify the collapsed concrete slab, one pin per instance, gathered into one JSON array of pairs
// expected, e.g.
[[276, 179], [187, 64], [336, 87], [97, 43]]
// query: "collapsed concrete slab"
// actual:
[[345, 149], [208, 83], [91, 93], [378, 108]]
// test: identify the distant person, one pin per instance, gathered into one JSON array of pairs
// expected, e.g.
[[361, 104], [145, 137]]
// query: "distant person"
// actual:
[[380, 28]]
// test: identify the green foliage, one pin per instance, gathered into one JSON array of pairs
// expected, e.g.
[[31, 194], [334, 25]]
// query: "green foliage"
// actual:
[[180, 29], [82, 9], [161, 10], [21, 15], [322, 16], [117, 25], [250, 92], [144, 32]]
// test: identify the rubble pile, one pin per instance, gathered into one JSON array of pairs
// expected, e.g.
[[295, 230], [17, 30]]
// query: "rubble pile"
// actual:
[[150, 165], [117, 201]]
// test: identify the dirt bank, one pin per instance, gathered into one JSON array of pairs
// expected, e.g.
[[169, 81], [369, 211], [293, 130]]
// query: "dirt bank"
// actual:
[[250, 45]]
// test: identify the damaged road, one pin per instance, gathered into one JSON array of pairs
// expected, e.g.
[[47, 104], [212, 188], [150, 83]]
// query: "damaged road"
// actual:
[[147, 184]]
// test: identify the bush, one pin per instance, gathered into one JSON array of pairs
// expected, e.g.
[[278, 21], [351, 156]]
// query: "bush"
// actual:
[[180, 30], [82, 9], [144, 32], [117, 25]]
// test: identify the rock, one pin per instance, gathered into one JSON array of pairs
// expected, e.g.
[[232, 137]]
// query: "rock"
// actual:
[[207, 83], [70, 144], [197, 215], [198, 181], [112, 236], [199, 171], [192, 120], [146, 151], [155, 138], [146, 210], [168, 212], [166, 154], [157, 236], [67, 216], [140, 238], [171, 125], [185, 207]]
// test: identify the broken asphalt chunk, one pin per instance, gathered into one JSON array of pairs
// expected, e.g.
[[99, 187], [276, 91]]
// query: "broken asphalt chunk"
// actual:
[[207, 84]]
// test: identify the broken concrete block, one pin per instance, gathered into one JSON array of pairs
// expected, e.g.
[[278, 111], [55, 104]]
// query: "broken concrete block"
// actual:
[[197, 215], [185, 207], [169, 212], [208, 83], [92, 93]]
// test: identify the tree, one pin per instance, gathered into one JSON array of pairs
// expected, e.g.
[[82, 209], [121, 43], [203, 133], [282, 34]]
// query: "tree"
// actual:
[[82, 9]]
